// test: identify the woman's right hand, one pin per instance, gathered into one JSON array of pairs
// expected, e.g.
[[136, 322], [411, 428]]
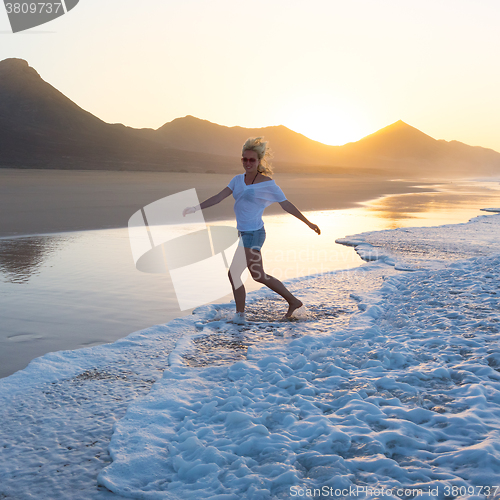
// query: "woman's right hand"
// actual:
[[314, 227], [188, 210]]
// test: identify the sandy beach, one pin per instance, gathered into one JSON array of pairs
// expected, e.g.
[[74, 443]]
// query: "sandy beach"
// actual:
[[46, 201], [368, 391]]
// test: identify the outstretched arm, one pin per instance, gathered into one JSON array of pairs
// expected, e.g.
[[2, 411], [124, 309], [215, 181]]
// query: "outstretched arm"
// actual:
[[289, 207], [208, 203]]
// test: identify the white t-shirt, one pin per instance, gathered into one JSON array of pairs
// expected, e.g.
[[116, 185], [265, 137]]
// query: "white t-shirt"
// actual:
[[251, 200]]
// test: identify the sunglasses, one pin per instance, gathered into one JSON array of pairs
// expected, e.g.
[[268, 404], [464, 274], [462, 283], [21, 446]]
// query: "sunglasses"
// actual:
[[251, 160]]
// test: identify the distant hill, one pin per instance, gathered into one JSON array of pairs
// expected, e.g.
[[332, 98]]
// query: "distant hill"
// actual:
[[396, 150], [42, 128], [192, 134], [405, 149]]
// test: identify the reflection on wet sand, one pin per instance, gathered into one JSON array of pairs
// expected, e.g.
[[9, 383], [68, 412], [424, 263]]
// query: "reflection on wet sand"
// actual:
[[22, 258], [70, 290], [435, 205]]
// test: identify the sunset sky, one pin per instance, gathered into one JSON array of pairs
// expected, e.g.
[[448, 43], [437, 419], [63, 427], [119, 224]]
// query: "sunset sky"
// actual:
[[333, 70]]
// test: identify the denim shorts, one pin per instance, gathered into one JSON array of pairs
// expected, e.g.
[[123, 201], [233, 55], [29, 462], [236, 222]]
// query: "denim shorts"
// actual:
[[253, 239]]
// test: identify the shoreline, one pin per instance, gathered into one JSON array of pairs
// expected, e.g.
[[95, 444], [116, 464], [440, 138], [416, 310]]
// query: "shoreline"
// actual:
[[17, 253], [411, 379], [36, 202]]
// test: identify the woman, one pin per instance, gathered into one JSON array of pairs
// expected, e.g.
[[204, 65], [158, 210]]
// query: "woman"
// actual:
[[253, 191]]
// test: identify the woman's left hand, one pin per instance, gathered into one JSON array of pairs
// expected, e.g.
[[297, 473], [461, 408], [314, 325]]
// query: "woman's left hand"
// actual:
[[315, 228], [188, 210]]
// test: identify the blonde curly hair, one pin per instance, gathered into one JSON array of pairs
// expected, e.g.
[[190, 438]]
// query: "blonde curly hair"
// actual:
[[258, 145]]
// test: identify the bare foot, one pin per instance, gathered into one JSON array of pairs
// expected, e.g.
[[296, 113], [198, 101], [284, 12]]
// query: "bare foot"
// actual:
[[293, 307], [239, 318]]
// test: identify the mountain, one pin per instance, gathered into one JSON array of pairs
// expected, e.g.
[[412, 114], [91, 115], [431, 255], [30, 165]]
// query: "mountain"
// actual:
[[398, 149], [192, 134], [401, 147], [42, 128], [396, 140]]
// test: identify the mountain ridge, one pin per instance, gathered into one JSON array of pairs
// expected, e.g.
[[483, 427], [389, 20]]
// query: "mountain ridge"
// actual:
[[42, 128]]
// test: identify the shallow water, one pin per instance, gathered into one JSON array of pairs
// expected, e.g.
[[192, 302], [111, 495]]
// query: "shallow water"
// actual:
[[77, 289]]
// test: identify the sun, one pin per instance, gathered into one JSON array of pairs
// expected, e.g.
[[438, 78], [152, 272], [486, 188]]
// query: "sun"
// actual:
[[326, 120]]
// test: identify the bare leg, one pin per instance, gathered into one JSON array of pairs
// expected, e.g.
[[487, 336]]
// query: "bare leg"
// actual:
[[238, 265], [254, 260], [239, 296]]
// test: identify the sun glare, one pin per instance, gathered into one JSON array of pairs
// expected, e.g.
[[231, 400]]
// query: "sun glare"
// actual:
[[327, 122]]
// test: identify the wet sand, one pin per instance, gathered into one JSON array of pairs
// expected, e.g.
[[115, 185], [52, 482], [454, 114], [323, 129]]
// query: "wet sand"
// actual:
[[47, 201]]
